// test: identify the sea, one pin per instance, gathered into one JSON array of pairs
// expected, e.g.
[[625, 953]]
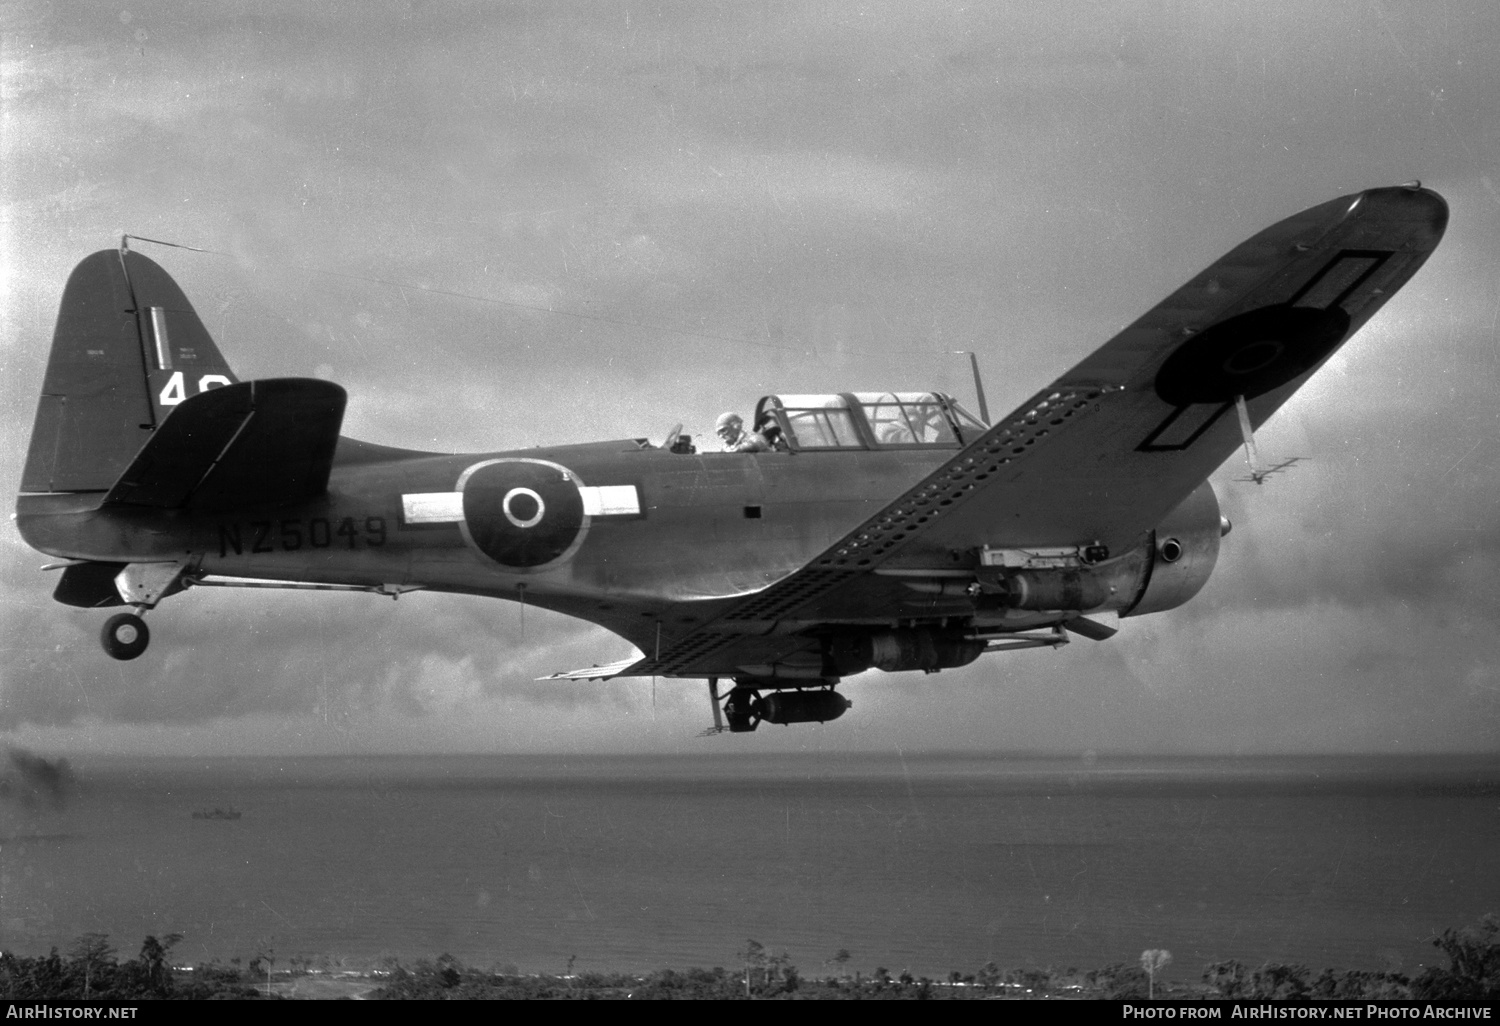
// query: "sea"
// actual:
[[928, 863]]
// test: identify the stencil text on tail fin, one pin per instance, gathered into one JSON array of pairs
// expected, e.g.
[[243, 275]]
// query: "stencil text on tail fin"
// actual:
[[180, 356]]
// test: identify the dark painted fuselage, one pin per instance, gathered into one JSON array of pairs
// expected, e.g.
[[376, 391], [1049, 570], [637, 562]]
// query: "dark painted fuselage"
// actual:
[[711, 527]]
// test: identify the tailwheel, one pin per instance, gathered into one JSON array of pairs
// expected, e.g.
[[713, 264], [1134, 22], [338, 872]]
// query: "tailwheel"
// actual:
[[125, 636]]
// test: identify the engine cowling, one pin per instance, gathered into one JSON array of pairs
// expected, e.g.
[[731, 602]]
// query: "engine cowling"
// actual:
[[1169, 569], [1183, 550]]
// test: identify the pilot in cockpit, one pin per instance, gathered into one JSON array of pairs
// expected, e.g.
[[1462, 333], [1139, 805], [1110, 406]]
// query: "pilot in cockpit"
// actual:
[[730, 428]]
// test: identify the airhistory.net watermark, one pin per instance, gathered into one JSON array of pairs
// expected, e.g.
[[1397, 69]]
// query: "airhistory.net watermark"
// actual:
[[1273, 1011], [37, 1011]]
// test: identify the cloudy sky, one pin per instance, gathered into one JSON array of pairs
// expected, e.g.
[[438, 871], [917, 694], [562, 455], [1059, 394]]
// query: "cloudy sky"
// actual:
[[745, 198]]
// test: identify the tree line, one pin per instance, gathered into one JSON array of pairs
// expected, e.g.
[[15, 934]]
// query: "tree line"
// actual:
[[91, 970]]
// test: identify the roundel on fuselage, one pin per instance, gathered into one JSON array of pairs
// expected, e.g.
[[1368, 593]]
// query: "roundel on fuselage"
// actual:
[[523, 514]]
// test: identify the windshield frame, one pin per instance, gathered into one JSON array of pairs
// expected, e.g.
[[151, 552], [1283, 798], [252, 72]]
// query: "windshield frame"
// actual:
[[957, 428]]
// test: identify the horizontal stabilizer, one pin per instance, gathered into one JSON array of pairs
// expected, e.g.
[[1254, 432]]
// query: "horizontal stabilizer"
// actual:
[[252, 443], [619, 669], [89, 586]]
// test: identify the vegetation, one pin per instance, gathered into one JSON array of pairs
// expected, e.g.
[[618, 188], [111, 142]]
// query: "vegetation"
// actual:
[[1473, 973], [92, 971], [1154, 960]]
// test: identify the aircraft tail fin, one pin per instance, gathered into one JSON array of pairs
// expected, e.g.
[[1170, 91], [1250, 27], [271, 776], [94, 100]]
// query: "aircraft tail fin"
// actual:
[[127, 349]]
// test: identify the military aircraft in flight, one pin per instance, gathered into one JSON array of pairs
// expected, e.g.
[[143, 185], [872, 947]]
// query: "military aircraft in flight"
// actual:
[[874, 530]]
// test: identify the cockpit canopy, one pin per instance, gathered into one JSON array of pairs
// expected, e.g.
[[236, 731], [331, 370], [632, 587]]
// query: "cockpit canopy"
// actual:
[[865, 420]]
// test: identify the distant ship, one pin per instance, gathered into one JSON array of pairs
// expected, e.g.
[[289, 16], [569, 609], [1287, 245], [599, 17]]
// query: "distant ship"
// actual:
[[217, 813]]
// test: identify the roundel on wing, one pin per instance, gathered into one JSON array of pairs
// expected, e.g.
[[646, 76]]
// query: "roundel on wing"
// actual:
[[522, 513], [1250, 354]]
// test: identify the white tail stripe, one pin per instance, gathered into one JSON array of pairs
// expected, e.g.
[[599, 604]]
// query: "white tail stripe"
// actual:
[[159, 334], [610, 500], [433, 508]]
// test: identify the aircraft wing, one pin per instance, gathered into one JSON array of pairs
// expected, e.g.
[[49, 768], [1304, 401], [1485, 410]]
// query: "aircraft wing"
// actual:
[[1103, 453], [1106, 450]]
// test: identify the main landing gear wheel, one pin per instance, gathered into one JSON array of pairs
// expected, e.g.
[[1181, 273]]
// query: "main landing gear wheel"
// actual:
[[740, 710], [125, 636]]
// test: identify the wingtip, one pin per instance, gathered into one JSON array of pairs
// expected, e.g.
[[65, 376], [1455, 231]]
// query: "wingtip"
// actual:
[[1410, 201]]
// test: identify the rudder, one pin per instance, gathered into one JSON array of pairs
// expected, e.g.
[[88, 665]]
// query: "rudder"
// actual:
[[128, 347]]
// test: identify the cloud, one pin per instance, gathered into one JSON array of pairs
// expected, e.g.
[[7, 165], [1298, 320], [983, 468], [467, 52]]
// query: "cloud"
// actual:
[[227, 653], [860, 190], [36, 783]]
